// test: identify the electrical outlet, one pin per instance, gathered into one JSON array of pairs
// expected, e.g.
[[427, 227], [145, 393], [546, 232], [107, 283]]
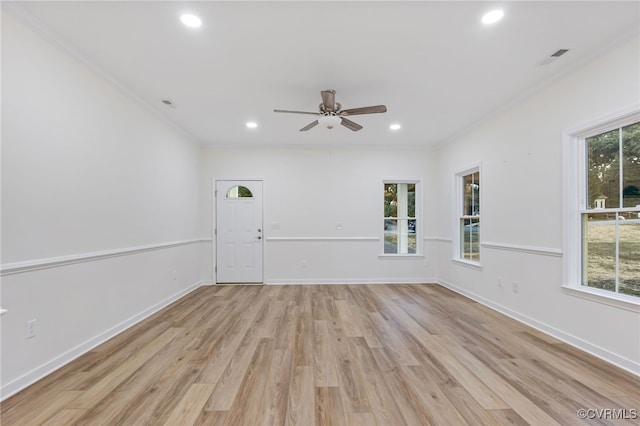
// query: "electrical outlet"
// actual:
[[30, 329], [516, 287], [304, 264], [500, 282], [174, 275]]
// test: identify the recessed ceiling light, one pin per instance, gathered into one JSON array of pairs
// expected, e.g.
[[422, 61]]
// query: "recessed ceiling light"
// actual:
[[395, 126], [191, 20], [492, 17], [251, 124]]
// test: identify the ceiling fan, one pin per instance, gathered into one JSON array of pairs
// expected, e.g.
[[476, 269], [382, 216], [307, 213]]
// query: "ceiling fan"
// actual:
[[331, 113]]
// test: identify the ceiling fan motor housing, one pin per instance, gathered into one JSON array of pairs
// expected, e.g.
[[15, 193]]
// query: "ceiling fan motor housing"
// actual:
[[336, 109]]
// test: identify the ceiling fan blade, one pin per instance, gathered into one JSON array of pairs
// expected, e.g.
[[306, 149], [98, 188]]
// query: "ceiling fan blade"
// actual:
[[309, 126], [329, 100], [350, 124], [296, 112], [364, 110]]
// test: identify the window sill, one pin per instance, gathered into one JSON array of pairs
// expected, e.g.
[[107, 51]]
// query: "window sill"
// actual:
[[630, 303], [469, 263], [400, 256]]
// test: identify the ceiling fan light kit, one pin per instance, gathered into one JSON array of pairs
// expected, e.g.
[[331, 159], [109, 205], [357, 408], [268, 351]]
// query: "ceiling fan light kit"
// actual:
[[329, 121], [331, 113]]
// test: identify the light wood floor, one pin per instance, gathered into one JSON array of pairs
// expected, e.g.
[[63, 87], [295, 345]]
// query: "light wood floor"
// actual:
[[327, 355]]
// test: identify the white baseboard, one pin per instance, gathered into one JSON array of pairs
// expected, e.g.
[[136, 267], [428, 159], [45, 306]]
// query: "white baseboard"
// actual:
[[49, 367], [331, 281], [626, 364]]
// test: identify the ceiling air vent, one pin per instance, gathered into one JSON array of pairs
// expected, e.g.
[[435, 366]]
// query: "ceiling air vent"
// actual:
[[554, 56], [169, 103]]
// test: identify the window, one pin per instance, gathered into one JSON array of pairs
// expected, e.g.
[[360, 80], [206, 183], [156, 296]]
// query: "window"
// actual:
[[610, 210], [239, 191], [468, 183], [400, 218]]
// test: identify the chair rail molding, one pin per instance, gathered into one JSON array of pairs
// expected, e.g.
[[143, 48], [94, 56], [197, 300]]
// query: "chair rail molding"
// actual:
[[55, 262]]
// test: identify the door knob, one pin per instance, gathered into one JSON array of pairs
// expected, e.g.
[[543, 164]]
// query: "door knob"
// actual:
[[259, 237], [259, 230]]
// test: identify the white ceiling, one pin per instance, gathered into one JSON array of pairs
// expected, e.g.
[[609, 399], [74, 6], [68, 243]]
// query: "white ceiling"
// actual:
[[435, 66]]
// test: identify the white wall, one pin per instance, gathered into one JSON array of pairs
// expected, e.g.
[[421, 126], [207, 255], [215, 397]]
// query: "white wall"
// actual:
[[308, 192], [100, 208], [522, 211]]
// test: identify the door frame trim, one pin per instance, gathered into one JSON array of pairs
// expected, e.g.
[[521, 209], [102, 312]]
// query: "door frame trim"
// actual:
[[214, 224]]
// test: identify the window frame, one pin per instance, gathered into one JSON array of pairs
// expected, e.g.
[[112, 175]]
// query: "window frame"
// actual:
[[575, 190], [459, 215], [418, 218]]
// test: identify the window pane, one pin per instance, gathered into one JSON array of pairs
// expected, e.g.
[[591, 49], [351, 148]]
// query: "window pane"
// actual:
[[629, 254], [631, 165], [470, 239], [599, 250], [390, 236], [411, 199], [390, 200], [603, 167], [239, 192], [406, 236], [411, 244], [471, 191]]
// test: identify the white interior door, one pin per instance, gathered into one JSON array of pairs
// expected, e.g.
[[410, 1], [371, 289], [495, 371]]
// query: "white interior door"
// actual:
[[239, 235]]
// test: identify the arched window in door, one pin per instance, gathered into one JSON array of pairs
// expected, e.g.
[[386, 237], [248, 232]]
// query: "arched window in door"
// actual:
[[239, 191]]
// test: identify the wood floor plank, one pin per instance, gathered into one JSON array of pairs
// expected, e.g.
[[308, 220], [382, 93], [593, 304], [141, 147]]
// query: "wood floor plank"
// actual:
[[351, 383], [369, 330], [272, 409], [113, 379], [390, 341], [508, 417], [409, 402], [479, 390], [348, 316], [218, 352], [383, 406], [303, 341], [211, 418], [525, 407], [323, 361], [286, 332], [190, 406], [244, 408], [329, 409], [467, 406], [315, 355], [140, 388], [154, 404], [553, 396], [301, 398], [65, 416], [47, 412], [152, 391], [594, 374], [433, 398], [230, 380]]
